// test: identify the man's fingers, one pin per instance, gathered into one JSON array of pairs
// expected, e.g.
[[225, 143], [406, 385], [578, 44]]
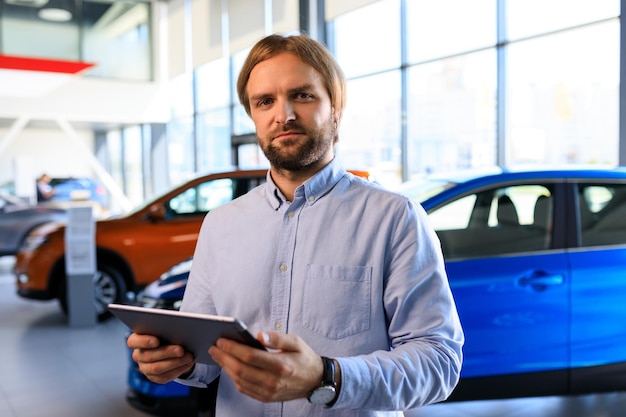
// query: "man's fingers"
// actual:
[[161, 373], [137, 341], [249, 379], [158, 354], [279, 341], [166, 369], [159, 364]]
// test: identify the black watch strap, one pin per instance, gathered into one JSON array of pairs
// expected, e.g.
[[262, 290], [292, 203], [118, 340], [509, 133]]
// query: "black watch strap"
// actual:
[[328, 377], [333, 381]]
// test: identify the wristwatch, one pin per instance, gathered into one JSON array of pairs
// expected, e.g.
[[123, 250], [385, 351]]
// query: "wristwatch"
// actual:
[[325, 393]]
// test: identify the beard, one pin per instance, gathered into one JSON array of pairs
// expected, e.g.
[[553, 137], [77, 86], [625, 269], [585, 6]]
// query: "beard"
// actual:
[[300, 154]]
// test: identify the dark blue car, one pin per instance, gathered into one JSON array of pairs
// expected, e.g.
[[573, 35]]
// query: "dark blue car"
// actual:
[[537, 264], [171, 398]]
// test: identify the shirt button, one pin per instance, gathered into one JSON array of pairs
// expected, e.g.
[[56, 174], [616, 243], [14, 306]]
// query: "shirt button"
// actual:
[[290, 214], [278, 326], [283, 267], [311, 198]]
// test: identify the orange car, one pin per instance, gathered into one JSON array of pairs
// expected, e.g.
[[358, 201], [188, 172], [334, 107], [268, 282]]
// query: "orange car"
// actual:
[[132, 250]]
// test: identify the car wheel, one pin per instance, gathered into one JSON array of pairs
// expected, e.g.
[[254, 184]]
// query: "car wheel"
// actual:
[[109, 287]]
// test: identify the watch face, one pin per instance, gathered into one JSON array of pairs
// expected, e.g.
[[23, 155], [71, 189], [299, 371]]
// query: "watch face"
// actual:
[[322, 395]]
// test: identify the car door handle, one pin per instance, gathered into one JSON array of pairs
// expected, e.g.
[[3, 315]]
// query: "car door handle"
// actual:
[[540, 280]]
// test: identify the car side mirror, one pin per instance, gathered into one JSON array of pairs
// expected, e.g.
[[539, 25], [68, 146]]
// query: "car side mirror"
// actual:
[[157, 212]]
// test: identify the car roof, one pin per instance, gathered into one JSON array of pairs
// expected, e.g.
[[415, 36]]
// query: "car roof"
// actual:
[[551, 171], [432, 189]]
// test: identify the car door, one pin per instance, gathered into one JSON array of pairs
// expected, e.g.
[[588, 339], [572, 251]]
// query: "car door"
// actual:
[[157, 245], [510, 286], [599, 284]]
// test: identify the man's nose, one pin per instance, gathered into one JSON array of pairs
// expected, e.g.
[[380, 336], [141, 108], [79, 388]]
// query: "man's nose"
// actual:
[[285, 113]]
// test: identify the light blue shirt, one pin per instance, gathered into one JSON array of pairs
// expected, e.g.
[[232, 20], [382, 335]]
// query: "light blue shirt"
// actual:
[[354, 270]]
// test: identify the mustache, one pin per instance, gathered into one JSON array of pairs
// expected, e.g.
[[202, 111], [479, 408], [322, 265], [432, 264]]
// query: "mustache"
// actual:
[[290, 127]]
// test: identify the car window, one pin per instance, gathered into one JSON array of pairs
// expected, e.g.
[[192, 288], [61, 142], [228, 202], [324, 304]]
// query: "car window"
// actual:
[[213, 194], [209, 195], [202, 198], [495, 221], [602, 212]]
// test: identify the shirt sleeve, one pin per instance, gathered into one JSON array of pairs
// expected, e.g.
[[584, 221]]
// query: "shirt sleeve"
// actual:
[[423, 363]]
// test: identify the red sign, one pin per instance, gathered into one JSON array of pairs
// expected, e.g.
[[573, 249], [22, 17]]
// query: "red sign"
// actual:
[[43, 64]]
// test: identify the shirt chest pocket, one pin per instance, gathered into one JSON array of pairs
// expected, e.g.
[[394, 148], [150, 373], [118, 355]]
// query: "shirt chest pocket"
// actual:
[[337, 300]]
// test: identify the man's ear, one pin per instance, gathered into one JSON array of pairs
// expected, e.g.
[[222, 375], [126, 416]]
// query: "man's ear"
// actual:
[[336, 117]]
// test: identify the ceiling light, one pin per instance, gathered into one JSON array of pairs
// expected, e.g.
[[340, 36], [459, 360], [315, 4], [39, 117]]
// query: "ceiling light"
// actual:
[[57, 11]]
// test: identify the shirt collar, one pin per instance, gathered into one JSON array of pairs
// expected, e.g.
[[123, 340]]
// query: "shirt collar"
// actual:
[[312, 189]]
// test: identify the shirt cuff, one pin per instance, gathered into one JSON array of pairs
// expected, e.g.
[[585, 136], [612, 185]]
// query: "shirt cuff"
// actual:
[[193, 380]]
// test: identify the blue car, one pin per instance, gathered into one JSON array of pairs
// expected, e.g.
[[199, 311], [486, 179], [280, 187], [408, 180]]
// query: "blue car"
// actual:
[[78, 189], [536, 262]]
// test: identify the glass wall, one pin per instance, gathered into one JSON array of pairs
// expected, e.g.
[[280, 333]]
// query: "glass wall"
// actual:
[[432, 85], [562, 87], [438, 29], [181, 149], [451, 109], [113, 35], [116, 36], [438, 86], [126, 156], [451, 85], [213, 123], [114, 155], [539, 85], [370, 132], [133, 166]]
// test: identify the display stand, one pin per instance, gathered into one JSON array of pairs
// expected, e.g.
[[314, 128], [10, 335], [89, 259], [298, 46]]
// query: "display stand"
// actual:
[[80, 266]]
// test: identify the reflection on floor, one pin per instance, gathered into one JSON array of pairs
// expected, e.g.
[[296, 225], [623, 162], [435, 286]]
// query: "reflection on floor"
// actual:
[[597, 405], [49, 369]]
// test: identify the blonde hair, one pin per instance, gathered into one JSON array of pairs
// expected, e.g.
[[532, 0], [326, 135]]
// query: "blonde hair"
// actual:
[[309, 51]]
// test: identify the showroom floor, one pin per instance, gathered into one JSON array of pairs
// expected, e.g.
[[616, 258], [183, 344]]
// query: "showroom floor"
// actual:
[[49, 369]]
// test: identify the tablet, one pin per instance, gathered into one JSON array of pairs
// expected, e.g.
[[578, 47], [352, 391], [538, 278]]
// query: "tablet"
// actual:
[[195, 332]]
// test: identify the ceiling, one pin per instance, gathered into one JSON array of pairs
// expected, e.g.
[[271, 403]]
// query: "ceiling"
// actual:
[[84, 12]]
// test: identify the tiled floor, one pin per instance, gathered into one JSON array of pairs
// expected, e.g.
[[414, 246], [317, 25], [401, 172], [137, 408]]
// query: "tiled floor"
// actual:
[[48, 369]]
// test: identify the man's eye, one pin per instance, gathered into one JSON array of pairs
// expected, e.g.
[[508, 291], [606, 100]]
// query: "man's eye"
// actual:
[[303, 96], [265, 102]]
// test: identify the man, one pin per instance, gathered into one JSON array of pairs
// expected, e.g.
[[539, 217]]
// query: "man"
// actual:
[[44, 190], [343, 281]]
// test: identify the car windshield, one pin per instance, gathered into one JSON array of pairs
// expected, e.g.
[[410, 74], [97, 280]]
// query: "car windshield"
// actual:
[[421, 190], [6, 198]]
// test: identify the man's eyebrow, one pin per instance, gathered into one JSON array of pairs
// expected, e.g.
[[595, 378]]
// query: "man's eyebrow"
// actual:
[[305, 87], [258, 97], [299, 89]]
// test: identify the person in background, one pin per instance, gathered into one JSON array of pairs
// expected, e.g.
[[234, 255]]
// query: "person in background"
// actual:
[[341, 280], [44, 189]]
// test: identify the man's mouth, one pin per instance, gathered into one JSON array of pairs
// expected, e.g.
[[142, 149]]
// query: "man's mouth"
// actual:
[[287, 135]]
